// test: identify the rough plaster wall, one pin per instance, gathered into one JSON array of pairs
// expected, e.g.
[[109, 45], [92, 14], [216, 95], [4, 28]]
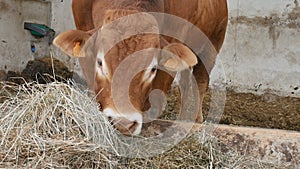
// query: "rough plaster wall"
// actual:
[[62, 20], [15, 42], [261, 52]]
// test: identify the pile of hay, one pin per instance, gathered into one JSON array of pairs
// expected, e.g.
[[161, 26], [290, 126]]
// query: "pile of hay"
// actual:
[[58, 125]]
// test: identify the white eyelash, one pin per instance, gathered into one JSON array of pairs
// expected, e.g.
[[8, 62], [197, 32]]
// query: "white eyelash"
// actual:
[[102, 71], [149, 76]]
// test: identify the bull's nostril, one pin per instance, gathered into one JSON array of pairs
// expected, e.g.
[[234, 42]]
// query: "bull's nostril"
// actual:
[[109, 118], [133, 126]]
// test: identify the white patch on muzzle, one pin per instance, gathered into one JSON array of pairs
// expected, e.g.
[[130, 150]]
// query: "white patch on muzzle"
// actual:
[[134, 117]]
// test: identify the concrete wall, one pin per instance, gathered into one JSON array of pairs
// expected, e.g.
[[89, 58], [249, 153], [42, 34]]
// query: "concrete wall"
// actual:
[[261, 52], [62, 20], [15, 42]]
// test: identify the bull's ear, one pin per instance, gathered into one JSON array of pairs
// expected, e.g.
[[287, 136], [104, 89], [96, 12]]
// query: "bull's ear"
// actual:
[[72, 42], [182, 52]]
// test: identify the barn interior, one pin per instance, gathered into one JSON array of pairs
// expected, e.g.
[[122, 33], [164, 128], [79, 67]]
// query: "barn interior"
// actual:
[[258, 66]]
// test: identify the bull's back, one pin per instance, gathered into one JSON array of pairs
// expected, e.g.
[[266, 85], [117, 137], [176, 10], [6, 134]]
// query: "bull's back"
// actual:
[[210, 16], [88, 14]]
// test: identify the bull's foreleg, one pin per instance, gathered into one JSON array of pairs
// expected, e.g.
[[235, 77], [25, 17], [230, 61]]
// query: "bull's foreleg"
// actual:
[[191, 99], [202, 90], [202, 78]]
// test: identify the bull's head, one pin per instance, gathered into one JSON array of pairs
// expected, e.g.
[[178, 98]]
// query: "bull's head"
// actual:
[[101, 53]]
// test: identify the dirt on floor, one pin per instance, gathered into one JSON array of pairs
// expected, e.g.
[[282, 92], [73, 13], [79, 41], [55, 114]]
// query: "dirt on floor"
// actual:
[[243, 109], [247, 109], [267, 111]]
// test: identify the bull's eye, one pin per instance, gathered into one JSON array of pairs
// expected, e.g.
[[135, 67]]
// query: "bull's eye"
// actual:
[[153, 70], [100, 62]]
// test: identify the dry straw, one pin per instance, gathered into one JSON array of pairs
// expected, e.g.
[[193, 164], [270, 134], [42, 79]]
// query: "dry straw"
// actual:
[[57, 125]]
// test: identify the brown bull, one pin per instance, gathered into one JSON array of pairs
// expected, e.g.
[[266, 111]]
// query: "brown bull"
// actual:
[[99, 64]]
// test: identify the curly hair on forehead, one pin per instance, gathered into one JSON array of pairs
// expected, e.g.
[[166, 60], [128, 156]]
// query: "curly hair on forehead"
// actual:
[[141, 5], [138, 23], [137, 43], [114, 14]]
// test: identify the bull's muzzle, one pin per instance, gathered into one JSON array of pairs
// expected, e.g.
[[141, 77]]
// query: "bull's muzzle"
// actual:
[[127, 124]]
